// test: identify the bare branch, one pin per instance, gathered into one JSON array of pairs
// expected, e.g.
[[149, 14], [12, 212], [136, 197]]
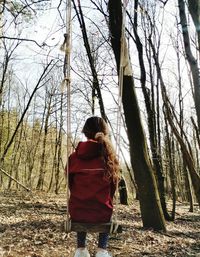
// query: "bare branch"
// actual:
[[19, 183], [24, 39]]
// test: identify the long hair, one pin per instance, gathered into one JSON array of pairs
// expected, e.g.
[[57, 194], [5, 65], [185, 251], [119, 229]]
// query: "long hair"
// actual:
[[96, 128]]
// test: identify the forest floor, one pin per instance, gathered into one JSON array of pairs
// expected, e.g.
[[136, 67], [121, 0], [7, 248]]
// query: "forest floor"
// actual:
[[31, 226]]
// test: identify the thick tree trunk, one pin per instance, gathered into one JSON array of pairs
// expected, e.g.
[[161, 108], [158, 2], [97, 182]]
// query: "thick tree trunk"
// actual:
[[149, 103], [191, 59], [194, 9], [151, 211]]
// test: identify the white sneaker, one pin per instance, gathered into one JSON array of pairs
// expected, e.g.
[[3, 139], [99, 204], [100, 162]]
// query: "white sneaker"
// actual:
[[82, 252], [102, 253]]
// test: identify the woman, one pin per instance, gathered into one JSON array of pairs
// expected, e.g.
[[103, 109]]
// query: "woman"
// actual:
[[93, 174]]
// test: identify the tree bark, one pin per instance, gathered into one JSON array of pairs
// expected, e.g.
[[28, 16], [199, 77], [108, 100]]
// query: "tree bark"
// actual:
[[151, 211], [190, 58], [59, 146], [156, 157], [170, 153], [42, 170], [123, 193], [194, 9]]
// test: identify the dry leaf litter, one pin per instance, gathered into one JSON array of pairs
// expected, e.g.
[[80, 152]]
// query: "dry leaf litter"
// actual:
[[31, 225]]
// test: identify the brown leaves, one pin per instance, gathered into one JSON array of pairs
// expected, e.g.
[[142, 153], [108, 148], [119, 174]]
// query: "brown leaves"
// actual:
[[31, 227]]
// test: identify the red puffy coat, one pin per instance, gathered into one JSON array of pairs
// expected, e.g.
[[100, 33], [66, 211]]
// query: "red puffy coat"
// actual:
[[91, 195]]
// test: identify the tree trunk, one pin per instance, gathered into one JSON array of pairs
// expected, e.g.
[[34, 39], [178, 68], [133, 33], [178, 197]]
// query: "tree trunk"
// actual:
[[156, 157], [53, 169], [168, 112], [151, 211], [170, 153], [123, 193], [194, 9], [42, 170], [188, 159], [33, 148], [15, 159], [59, 146], [191, 59], [188, 187]]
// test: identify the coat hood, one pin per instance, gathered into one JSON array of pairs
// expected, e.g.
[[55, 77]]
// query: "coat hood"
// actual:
[[88, 150]]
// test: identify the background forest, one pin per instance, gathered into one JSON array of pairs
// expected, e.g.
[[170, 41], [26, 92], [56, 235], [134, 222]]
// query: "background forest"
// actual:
[[160, 120]]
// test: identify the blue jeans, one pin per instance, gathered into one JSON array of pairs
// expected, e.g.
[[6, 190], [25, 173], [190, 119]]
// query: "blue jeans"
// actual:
[[102, 242]]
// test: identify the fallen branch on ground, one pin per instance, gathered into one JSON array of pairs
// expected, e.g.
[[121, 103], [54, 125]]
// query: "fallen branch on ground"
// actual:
[[19, 183]]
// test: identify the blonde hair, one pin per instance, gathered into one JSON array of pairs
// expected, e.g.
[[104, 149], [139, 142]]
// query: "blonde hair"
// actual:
[[96, 128]]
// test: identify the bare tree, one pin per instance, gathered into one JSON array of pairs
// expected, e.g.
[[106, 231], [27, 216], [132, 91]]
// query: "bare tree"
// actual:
[[151, 210], [42, 77], [47, 111], [170, 114], [96, 91], [150, 109]]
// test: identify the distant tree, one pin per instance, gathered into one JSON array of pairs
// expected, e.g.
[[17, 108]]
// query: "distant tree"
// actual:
[[171, 118], [40, 80], [43, 166]]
